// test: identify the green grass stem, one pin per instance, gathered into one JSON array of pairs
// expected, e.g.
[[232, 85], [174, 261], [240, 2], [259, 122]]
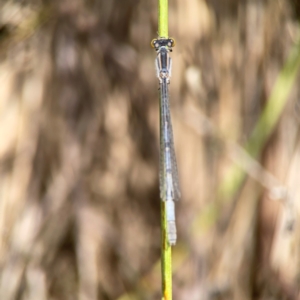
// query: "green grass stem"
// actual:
[[166, 249], [166, 257], [163, 18]]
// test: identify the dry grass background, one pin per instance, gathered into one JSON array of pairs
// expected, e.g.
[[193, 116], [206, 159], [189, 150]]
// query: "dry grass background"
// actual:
[[79, 200]]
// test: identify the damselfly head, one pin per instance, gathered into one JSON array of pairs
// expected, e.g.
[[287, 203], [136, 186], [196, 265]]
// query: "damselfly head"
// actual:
[[163, 42]]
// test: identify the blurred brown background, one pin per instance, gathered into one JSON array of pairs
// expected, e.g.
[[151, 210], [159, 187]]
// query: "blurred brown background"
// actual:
[[79, 199]]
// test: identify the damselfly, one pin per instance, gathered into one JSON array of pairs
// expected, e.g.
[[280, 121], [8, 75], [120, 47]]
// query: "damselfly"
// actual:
[[168, 174]]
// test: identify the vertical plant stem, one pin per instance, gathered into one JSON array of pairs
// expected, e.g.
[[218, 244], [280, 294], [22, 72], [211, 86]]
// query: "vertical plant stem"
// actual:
[[166, 250], [163, 18], [166, 257]]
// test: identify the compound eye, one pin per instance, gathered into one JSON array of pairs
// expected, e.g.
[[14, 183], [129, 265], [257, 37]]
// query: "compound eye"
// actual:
[[173, 42], [153, 43]]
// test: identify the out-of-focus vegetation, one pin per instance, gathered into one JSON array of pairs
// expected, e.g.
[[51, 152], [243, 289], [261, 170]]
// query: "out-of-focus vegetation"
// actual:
[[79, 199]]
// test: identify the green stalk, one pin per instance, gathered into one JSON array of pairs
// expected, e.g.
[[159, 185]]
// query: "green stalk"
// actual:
[[166, 250], [163, 18], [166, 257]]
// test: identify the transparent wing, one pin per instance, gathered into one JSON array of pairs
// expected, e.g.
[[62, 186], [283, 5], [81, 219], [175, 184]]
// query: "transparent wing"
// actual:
[[168, 175]]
